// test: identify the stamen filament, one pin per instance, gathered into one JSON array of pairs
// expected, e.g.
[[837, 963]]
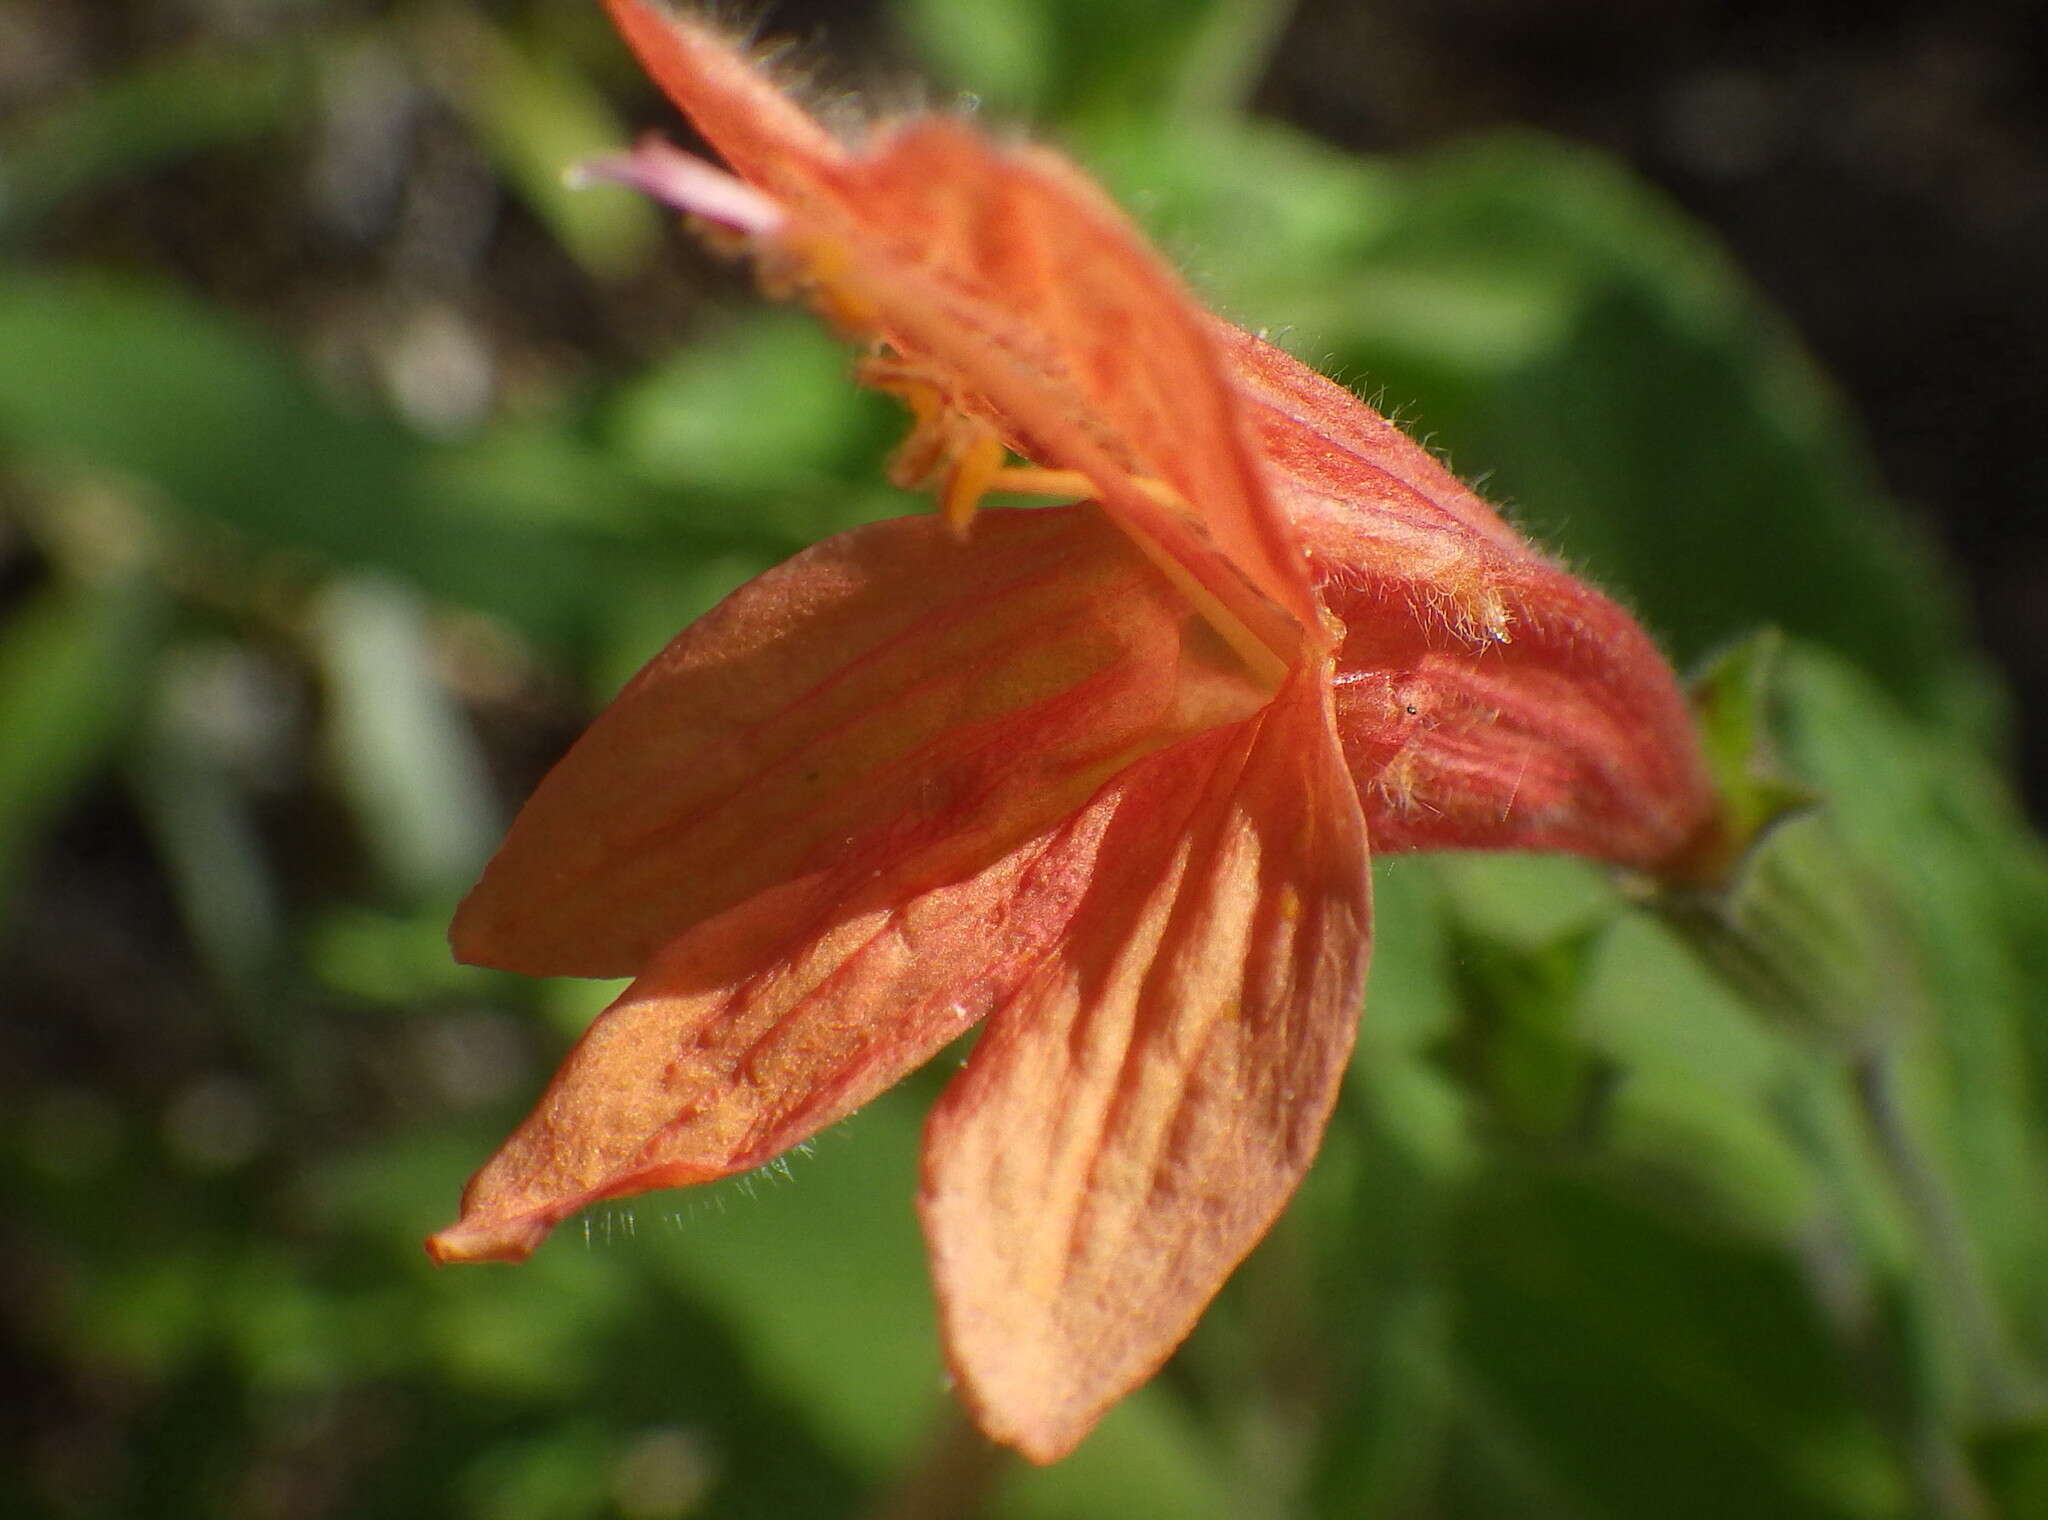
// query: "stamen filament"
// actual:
[[968, 480], [1258, 656], [1030, 480], [976, 468]]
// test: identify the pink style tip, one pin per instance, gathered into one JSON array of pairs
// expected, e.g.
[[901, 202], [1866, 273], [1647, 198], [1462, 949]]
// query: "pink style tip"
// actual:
[[688, 183]]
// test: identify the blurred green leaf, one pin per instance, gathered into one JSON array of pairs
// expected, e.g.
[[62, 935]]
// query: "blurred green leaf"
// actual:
[[560, 1475], [1702, 1085], [1519, 1047], [126, 377], [1070, 61], [199, 813], [162, 109], [403, 750], [392, 958], [1001, 50], [762, 405], [537, 118], [1649, 1367], [1411, 1004], [1529, 901], [72, 661], [1918, 809], [2015, 1468]]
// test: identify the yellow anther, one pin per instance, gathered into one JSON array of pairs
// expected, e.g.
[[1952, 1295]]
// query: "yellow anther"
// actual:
[[967, 481], [921, 456]]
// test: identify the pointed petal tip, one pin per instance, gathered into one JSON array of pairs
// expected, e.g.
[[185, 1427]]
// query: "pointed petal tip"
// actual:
[[1044, 1450], [1041, 1442], [1175, 1102], [486, 931], [470, 1239], [1010, 1405]]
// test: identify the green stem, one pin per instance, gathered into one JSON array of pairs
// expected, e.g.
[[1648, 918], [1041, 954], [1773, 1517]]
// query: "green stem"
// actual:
[[1942, 1234], [1883, 1365]]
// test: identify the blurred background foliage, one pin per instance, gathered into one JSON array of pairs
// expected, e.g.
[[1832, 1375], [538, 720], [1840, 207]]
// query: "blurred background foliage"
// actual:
[[347, 462]]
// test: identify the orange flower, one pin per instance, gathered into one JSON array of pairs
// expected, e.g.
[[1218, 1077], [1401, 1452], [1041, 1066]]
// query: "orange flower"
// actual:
[[1101, 774]]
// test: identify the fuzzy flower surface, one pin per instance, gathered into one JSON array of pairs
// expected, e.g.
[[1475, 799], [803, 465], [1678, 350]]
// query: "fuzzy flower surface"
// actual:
[[1102, 776]]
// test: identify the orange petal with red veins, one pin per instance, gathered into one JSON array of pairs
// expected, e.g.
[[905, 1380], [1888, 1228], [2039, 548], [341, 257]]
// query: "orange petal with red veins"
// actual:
[[1139, 1112], [1029, 301], [885, 690], [1486, 698], [1572, 735], [757, 1028], [1331, 453], [1026, 284]]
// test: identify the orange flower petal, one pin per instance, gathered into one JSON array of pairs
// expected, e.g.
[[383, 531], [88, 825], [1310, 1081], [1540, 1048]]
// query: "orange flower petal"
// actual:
[[769, 139], [1136, 1116], [1571, 735], [1031, 289], [1027, 300], [755, 1029], [1486, 698], [1331, 453], [887, 688]]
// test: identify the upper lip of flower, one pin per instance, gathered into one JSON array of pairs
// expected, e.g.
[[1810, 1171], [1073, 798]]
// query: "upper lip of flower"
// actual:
[[1096, 782], [1029, 304]]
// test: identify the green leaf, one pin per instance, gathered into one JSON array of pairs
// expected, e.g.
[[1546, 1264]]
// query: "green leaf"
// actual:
[[1671, 437], [1921, 815], [403, 750], [183, 778], [129, 378], [163, 109], [537, 119], [1080, 63], [72, 661], [1733, 699], [765, 406], [1648, 1366], [1519, 1047]]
